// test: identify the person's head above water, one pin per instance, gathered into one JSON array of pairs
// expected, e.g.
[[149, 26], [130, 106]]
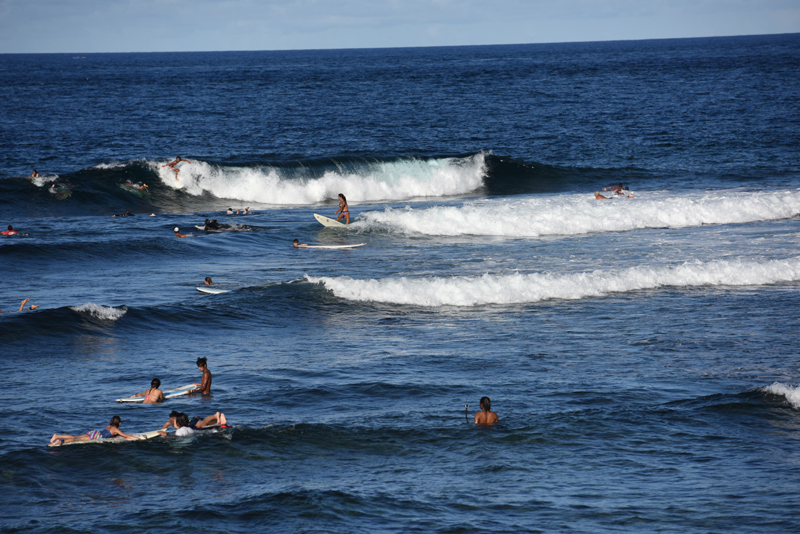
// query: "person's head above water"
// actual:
[[176, 229], [155, 383], [208, 281], [115, 421], [486, 404], [202, 362], [10, 227]]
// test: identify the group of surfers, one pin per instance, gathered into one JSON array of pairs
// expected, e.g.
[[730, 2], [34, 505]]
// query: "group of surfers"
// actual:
[[154, 395], [615, 190]]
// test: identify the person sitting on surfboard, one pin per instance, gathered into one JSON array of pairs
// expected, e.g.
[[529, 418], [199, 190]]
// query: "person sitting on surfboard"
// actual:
[[152, 395], [296, 244], [486, 416], [112, 430], [204, 387], [174, 164], [345, 211]]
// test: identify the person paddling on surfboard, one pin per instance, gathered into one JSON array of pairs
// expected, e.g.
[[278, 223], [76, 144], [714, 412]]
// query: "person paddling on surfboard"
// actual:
[[486, 416], [195, 422], [345, 211], [204, 387], [179, 235], [297, 244], [152, 395], [112, 430]]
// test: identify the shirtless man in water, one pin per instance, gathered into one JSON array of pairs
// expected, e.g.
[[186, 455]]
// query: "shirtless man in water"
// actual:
[[486, 416], [204, 387], [174, 165]]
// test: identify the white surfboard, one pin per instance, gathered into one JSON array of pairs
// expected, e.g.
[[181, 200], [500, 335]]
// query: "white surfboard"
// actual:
[[212, 290], [334, 246], [169, 394], [140, 435], [330, 223]]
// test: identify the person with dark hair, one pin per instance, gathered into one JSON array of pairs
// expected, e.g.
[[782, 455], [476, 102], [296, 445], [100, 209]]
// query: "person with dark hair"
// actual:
[[152, 395], [486, 416], [194, 422], [180, 235], [10, 231], [182, 424], [110, 431], [345, 211], [174, 165], [203, 387], [208, 281], [297, 244]]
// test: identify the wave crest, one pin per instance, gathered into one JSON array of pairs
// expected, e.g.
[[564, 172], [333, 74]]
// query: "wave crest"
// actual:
[[106, 313], [792, 394], [531, 288]]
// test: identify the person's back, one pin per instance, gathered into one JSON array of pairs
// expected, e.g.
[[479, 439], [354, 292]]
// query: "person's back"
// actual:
[[486, 416]]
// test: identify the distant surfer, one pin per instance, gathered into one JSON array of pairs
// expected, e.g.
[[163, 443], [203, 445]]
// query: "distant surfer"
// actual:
[[212, 225], [599, 195], [126, 214], [203, 387], [297, 244], [179, 235], [174, 165], [486, 416], [22, 305], [35, 174], [110, 431], [614, 188], [10, 231], [208, 281], [153, 395], [345, 211], [194, 423]]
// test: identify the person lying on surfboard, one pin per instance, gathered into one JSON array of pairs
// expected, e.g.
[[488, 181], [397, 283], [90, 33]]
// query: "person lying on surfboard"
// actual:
[[112, 430], [486, 416], [194, 422], [179, 235], [152, 395], [204, 387], [296, 244], [345, 211]]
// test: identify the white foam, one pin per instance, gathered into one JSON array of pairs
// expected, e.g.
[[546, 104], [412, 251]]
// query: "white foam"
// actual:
[[792, 394], [106, 313], [528, 288], [582, 214], [397, 180]]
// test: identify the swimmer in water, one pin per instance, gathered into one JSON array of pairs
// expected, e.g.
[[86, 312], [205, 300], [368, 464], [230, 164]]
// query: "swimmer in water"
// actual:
[[152, 395], [297, 244], [486, 416], [208, 281], [174, 165], [204, 387], [179, 235], [112, 430], [35, 174], [10, 231], [345, 211], [599, 196], [22, 305]]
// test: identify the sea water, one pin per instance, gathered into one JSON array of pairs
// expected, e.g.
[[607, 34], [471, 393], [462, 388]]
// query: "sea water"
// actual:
[[641, 353]]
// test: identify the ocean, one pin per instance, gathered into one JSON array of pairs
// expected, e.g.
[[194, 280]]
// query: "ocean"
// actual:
[[641, 353]]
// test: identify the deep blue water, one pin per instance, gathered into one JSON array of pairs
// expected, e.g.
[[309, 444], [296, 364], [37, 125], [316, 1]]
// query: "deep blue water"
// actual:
[[641, 353]]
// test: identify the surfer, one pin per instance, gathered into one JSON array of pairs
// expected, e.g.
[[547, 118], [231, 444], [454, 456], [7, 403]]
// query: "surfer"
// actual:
[[174, 165], [297, 244], [179, 235], [193, 423], [110, 431], [208, 281], [35, 174], [212, 225], [204, 387], [486, 416], [126, 214], [10, 231], [345, 211], [22, 305], [599, 196], [614, 188], [153, 395]]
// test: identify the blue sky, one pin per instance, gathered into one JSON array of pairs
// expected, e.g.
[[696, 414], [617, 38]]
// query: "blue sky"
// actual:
[[85, 26]]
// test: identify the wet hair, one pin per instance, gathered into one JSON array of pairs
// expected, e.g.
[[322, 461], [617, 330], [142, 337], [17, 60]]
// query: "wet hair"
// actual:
[[486, 403], [115, 421], [343, 197], [296, 242], [156, 383], [174, 413], [182, 420], [202, 361], [207, 221], [10, 227], [208, 280]]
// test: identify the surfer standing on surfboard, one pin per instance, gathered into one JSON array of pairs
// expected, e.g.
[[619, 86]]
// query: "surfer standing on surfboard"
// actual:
[[204, 387], [345, 211], [174, 165]]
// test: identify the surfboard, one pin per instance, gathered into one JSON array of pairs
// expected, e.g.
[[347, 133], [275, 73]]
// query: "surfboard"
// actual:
[[330, 223], [334, 246], [141, 435], [169, 394], [212, 291]]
